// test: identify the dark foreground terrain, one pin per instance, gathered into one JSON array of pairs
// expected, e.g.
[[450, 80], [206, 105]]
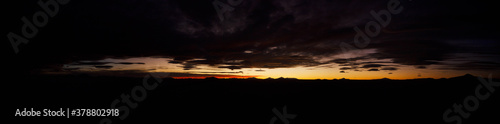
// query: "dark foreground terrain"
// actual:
[[252, 101]]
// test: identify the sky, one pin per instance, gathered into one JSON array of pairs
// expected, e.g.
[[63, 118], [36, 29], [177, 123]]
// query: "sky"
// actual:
[[320, 39]]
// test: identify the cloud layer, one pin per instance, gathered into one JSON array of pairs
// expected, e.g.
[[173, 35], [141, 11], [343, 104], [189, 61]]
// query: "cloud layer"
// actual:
[[268, 34]]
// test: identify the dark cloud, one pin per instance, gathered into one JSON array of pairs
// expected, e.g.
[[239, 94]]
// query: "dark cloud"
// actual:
[[188, 66], [345, 68], [104, 63], [421, 67], [350, 64], [340, 61], [389, 68], [175, 62], [344, 61], [91, 63], [70, 69], [372, 66], [182, 58], [373, 69], [280, 33], [413, 52], [129, 63], [476, 65], [373, 62], [231, 67], [239, 72], [342, 71], [103, 66]]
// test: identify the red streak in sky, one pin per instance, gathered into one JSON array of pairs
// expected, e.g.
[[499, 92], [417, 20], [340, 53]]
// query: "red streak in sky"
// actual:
[[218, 77]]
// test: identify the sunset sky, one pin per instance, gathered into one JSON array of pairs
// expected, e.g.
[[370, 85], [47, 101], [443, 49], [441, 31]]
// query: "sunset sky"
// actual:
[[264, 38]]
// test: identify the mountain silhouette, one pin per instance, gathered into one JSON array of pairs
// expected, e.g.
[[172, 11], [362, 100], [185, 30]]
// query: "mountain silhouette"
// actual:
[[464, 77]]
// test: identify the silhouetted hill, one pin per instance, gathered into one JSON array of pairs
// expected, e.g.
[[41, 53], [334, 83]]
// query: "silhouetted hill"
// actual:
[[464, 77], [252, 101]]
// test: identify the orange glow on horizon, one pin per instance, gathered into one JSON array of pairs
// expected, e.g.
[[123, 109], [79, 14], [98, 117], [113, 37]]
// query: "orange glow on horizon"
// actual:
[[327, 71], [218, 77]]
